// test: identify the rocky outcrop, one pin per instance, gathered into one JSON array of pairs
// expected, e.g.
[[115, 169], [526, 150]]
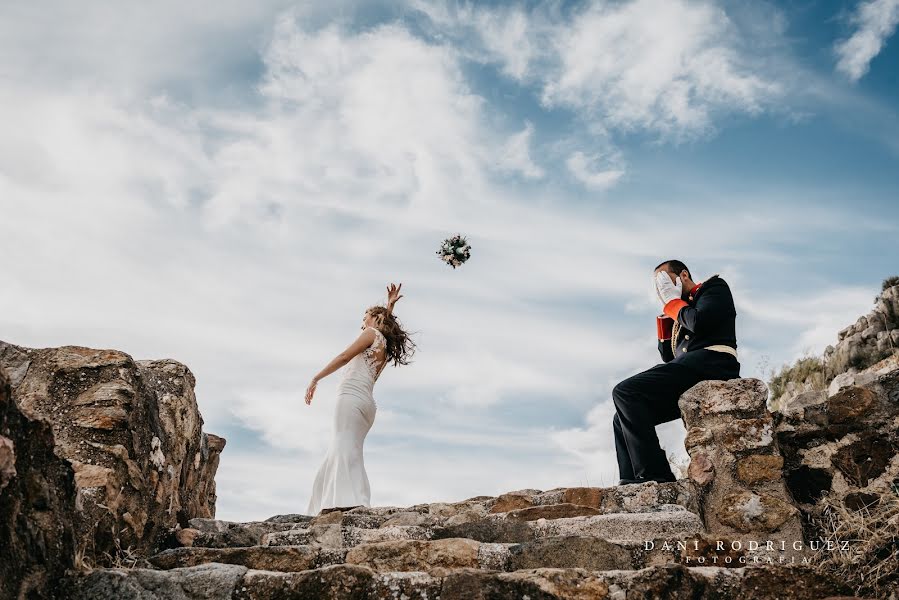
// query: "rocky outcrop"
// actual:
[[843, 443], [869, 340], [37, 504], [736, 462], [131, 436]]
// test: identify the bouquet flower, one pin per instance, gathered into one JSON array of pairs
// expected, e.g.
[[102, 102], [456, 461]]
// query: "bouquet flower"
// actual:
[[454, 251]]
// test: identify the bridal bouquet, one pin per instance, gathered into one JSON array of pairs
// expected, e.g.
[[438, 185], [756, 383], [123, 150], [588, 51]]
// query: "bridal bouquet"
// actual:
[[454, 251]]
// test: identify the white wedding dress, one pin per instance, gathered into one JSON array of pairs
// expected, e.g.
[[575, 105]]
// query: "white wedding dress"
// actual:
[[341, 480]]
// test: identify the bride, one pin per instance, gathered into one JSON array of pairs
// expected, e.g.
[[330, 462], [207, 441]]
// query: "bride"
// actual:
[[341, 481]]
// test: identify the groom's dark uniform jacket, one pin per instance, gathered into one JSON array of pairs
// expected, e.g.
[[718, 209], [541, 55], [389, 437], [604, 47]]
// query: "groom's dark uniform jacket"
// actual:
[[707, 318]]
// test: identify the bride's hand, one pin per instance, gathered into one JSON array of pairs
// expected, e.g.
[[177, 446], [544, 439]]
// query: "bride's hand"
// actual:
[[393, 294], [310, 391]]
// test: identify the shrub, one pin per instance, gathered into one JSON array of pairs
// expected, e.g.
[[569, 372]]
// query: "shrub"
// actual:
[[808, 370]]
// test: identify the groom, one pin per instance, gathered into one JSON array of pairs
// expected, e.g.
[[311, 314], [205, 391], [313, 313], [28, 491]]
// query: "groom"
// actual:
[[697, 341]]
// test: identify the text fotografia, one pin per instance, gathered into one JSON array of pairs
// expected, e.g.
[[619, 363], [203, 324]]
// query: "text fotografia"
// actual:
[[730, 548]]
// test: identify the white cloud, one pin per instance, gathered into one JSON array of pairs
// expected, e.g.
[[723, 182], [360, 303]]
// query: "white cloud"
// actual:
[[667, 67], [516, 154], [875, 22], [658, 65], [585, 170]]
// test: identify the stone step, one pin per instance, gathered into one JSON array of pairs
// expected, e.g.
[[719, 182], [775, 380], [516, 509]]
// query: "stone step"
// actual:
[[266, 558], [625, 498], [233, 582], [213, 533], [674, 522], [585, 552], [447, 518]]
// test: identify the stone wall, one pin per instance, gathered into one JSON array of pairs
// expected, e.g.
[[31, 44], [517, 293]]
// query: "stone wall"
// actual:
[[130, 432], [736, 461]]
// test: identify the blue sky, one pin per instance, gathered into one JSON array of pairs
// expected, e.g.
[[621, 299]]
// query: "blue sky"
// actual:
[[230, 184]]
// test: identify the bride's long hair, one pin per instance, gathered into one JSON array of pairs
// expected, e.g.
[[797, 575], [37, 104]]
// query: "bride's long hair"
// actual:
[[400, 346]]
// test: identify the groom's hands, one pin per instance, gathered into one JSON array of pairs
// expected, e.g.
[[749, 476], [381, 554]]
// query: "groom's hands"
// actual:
[[310, 391], [665, 288]]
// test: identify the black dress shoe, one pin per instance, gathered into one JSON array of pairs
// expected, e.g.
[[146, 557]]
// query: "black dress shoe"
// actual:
[[645, 480]]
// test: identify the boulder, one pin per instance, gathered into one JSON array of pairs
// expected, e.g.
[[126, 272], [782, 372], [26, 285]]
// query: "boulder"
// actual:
[[38, 503], [132, 436]]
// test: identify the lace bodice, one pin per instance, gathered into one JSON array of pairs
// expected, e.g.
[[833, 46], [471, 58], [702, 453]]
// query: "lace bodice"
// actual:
[[375, 356], [366, 366]]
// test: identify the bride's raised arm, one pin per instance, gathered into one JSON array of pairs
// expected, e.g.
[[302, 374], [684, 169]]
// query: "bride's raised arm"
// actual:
[[365, 339], [393, 295]]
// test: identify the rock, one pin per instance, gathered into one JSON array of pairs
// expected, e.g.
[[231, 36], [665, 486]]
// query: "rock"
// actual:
[[278, 558], [409, 518], [803, 399], [759, 467], [788, 583], [340, 582], [289, 519], [864, 460], [541, 584], [488, 530], [697, 436], [415, 555], [840, 381], [512, 501], [186, 537], [850, 403], [552, 511], [701, 469], [737, 397], [747, 434], [565, 552], [747, 512], [584, 496], [88, 476], [38, 503], [206, 582], [623, 526], [133, 435], [7, 461]]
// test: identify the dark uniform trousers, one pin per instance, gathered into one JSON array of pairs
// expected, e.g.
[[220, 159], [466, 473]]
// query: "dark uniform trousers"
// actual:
[[650, 398]]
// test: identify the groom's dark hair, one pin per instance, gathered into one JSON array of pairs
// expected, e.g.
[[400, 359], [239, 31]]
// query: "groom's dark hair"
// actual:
[[676, 266]]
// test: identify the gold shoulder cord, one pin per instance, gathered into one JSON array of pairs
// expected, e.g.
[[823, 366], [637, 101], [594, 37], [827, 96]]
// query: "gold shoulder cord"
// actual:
[[676, 328], [674, 331]]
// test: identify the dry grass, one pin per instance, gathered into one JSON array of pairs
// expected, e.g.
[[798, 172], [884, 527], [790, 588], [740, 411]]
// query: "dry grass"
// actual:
[[807, 371], [871, 565]]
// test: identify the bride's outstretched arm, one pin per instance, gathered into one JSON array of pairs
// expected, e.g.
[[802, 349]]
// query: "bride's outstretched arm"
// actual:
[[365, 339], [393, 295]]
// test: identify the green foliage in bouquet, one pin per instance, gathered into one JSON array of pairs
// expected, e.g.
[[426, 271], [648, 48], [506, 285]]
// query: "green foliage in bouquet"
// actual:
[[454, 251]]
